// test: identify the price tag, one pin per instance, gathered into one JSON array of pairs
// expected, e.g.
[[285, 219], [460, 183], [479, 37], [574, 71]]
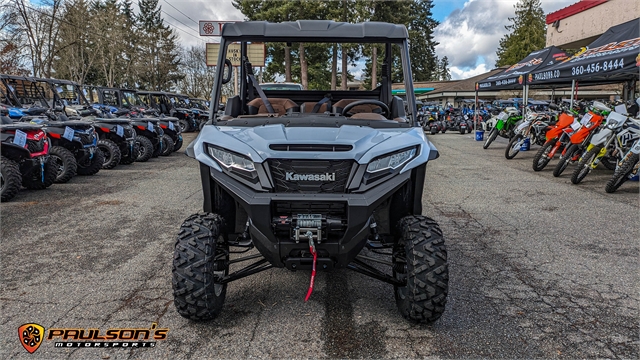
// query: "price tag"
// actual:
[[20, 138], [585, 119], [68, 133], [636, 148], [575, 126], [149, 126], [119, 131], [171, 127], [466, 117]]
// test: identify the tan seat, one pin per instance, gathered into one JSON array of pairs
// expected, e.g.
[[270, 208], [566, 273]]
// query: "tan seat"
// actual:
[[368, 116], [308, 106], [366, 108], [281, 106]]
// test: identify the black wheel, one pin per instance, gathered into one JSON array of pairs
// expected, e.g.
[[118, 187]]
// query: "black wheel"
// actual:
[[609, 162], [492, 136], [111, 153], [541, 159], [157, 149], [10, 179], [622, 174], [566, 159], [462, 131], [145, 148], [200, 258], [130, 156], [184, 125], [584, 165], [65, 162], [434, 131], [33, 179], [178, 144], [167, 145], [514, 147], [420, 259], [93, 165], [469, 129]]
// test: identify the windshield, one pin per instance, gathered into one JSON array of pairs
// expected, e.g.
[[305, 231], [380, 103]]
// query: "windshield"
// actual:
[[110, 97], [131, 98], [27, 92], [335, 81], [69, 94], [178, 102]]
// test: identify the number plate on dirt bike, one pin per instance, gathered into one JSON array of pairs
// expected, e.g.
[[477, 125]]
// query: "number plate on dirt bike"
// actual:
[[522, 126], [586, 119], [636, 148], [575, 126], [20, 138], [119, 131], [466, 117], [68, 133], [502, 116], [149, 126], [171, 127]]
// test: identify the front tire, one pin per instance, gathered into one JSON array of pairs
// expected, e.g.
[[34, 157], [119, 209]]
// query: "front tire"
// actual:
[[167, 145], [200, 258], [178, 144], [110, 152], [584, 165], [565, 160], [93, 165], [33, 179], [131, 154], [66, 166], [492, 136], [420, 258], [10, 180], [145, 148], [541, 159], [184, 125], [622, 174], [513, 148]]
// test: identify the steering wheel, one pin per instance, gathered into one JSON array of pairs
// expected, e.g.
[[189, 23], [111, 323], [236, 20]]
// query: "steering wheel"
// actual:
[[385, 108]]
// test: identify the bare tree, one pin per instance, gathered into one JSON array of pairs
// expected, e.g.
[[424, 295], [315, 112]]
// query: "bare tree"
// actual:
[[198, 78]]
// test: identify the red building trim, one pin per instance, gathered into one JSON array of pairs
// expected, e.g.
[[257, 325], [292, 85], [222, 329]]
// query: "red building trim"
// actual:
[[576, 8]]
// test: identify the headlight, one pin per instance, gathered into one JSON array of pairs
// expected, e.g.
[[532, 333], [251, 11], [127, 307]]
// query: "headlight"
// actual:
[[231, 160], [391, 161], [611, 124]]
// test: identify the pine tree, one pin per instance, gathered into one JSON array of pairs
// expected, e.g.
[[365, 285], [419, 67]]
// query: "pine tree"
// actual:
[[443, 69], [527, 33], [424, 63]]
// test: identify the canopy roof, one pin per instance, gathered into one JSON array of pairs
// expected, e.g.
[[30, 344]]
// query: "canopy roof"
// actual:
[[514, 76], [613, 57], [314, 31]]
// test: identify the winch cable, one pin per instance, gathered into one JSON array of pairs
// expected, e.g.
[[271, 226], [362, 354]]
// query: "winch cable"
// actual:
[[312, 248]]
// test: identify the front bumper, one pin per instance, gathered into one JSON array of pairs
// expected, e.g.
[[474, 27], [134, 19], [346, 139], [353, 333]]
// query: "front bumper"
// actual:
[[259, 207]]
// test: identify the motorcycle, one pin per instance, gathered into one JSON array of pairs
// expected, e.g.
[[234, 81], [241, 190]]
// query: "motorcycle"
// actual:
[[533, 128], [614, 140], [505, 122], [557, 138], [628, 168]]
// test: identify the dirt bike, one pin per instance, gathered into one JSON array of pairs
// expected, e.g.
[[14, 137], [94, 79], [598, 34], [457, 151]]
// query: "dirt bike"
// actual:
[[589, 125], [533, 128], [557, 138], [505, 124], [614, 140], [628, 168]]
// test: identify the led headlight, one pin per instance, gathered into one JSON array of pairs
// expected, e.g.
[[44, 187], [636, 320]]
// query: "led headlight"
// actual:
[[391, 161], [611, 124], [230, 159]]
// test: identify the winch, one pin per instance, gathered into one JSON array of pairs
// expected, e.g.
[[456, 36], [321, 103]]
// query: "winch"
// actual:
[[304, 227]]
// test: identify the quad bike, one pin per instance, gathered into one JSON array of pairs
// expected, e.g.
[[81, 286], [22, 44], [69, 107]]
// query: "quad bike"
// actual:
[[25, 158], [312, 191], [504, 125], [613, 141], [148, 138], [533, 128], [589, 125], [170, 126], [117, 141]]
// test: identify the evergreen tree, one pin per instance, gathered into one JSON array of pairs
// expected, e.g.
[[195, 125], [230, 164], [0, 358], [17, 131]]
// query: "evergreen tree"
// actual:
[[424, 63], [527, 33], [443, 69]]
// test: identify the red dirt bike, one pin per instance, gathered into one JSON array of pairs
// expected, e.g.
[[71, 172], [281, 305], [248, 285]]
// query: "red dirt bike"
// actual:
[[557, 138], [590, 124]]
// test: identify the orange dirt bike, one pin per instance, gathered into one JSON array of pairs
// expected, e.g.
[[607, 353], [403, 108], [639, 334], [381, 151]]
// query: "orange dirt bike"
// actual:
[[589, 125], [557, 138]]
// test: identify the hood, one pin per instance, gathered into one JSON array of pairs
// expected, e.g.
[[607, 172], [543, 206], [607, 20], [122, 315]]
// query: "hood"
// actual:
[[366, 143]]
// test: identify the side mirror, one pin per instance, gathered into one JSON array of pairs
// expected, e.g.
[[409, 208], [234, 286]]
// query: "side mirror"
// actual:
[[226, 72]]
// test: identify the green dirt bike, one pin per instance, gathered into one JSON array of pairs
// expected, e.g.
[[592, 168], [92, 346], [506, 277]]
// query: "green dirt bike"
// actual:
[[505, 124]]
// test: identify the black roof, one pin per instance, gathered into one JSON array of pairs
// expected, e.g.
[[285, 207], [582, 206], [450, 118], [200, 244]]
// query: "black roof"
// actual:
[[314, 31]]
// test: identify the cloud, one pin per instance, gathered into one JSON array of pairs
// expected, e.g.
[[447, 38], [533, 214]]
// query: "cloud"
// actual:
[[469, 36]]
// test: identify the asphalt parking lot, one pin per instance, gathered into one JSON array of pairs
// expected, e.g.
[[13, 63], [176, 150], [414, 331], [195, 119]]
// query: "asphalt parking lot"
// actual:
[[539, 268]]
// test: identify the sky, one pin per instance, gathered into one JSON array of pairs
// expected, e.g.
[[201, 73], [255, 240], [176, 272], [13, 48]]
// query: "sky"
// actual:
[[468, 34]]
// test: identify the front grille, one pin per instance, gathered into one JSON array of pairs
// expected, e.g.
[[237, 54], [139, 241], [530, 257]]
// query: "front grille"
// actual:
[[280, 167], [36, 146], [289, 208], [310, 147]]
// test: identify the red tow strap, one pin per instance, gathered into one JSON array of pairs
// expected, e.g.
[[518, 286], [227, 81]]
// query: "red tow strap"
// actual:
[[313, 272]]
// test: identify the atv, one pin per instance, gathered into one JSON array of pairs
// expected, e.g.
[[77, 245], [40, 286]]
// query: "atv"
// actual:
[[25, 157], [315, 180]]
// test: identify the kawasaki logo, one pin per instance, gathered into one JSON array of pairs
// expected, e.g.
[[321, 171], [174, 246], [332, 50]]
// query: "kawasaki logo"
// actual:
[[310, 177]]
